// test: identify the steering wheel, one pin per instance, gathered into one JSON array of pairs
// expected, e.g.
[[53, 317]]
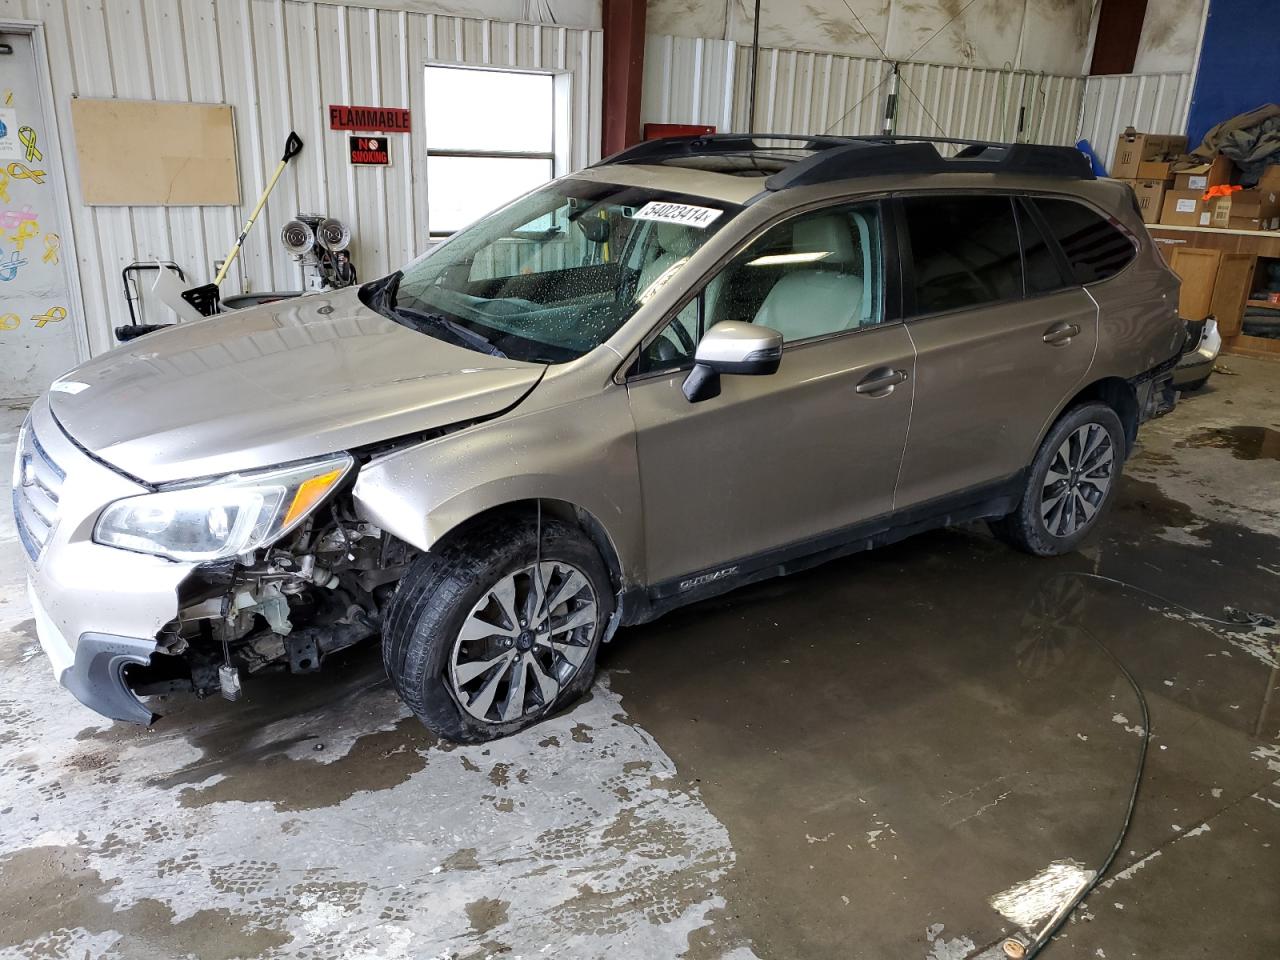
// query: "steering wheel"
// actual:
[[686, 341]]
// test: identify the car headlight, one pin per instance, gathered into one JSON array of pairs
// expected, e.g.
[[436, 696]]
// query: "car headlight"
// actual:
[[220, 518]]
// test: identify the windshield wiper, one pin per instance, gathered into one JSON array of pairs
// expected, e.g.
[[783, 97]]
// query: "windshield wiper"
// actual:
[[468, 337]]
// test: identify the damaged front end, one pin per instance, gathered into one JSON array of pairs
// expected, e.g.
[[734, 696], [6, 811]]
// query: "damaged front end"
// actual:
[[321, 589]]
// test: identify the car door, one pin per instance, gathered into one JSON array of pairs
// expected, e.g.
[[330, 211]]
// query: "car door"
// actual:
[[996, 353], [776, 461]]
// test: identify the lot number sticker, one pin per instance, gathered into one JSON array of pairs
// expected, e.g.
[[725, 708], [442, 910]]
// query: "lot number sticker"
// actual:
[[689, 215]]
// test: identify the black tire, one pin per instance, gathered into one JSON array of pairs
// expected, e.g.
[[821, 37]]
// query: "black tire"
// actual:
[[437, 594], [1025, 528]]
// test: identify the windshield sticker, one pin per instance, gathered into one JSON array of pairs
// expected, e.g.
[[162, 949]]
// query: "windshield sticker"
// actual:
[[689, 215]]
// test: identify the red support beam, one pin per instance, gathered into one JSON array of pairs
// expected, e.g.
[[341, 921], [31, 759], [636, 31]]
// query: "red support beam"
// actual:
[[623, 72]]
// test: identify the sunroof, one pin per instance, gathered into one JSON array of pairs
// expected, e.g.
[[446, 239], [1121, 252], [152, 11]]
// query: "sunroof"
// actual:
[[738, 164]]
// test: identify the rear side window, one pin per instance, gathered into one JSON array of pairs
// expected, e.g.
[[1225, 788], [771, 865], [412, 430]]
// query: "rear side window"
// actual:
[[965, 251], [1095, 248]]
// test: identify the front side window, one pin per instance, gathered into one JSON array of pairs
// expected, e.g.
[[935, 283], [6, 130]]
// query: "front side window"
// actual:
[[811, 276], [1095, 248], [553, 275], [965, 251]]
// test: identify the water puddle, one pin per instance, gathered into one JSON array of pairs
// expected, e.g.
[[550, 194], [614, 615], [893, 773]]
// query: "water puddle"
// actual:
[[1245, 443]]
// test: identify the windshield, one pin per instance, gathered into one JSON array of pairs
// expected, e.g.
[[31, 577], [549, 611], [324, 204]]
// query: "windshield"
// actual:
[[553, 275]]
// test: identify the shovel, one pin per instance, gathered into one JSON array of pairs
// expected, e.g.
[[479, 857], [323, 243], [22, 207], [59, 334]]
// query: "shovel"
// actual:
[[205, 298]]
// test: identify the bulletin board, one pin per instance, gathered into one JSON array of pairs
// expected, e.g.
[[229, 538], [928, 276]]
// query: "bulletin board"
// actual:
[[145, 152]]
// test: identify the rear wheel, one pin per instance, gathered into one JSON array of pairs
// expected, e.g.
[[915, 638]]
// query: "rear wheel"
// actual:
[[1070, 484], [496, 630]]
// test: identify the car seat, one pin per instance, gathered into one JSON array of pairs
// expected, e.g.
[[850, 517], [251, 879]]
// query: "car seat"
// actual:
[[826, 294]]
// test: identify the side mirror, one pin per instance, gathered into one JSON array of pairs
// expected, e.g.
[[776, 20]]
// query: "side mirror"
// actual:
[[732, 347]]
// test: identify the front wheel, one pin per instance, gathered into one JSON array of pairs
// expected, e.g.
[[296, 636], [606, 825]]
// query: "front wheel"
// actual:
[[1070, 483], [496, 630]]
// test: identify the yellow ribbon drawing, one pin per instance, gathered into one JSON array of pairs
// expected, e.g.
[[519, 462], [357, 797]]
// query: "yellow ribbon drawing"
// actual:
[[25, 232], [4, 186], [20, 171], [10, 321], [52, 315], [27, 136], [52, 244]]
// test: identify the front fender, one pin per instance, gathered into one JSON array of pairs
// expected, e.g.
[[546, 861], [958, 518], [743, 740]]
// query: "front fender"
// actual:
[[582, 452]]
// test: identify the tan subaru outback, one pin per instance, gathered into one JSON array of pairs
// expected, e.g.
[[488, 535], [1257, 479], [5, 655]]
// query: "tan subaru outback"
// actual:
[[697, 364]]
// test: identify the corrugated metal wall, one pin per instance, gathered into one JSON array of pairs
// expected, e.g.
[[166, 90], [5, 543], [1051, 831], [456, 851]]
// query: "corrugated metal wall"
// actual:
[[804, 92], [279, 63], [1151, 103]]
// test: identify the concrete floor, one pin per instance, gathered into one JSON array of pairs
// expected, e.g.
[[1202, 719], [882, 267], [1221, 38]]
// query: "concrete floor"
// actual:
[[910, 753]]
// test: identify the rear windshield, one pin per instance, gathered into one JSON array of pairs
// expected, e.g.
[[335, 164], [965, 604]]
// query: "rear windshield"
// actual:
[[553, 275]]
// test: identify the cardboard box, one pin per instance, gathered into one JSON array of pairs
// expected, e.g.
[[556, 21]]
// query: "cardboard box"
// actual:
[[1204, 175], [1184, 208], [1245, 205], [1133, 148], [1161, 170], [1150, 197]]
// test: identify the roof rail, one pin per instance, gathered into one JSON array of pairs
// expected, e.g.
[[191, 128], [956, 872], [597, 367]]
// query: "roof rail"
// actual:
[[671, 148], [842, 158]]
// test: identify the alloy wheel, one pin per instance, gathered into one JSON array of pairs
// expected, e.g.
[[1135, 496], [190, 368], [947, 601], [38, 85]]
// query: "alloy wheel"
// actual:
[[1077, 481], [524, 640]]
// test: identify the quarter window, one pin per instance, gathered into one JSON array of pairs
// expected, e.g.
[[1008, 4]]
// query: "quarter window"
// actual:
[[965, 251], [1095, 248]]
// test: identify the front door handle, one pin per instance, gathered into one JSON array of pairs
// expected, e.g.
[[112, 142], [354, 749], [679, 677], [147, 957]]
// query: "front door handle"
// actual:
[[1060, 334], [880, 382]]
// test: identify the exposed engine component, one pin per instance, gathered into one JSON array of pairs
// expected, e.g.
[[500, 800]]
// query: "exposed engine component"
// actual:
[[292, 605]]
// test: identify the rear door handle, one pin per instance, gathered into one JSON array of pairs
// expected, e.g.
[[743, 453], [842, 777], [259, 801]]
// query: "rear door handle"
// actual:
[[1061, 333], [880, 382]]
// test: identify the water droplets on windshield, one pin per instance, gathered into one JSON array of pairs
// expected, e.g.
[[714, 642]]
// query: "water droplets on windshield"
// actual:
[[550, 277]]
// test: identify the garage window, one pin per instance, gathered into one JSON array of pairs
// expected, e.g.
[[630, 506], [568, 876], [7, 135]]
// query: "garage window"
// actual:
[[492, 135]]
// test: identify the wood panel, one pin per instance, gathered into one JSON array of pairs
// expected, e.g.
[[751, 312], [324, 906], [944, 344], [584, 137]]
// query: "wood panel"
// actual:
[[1198, 270], [1231, 290], [145, 152], [1264, 348], [1256, 242]]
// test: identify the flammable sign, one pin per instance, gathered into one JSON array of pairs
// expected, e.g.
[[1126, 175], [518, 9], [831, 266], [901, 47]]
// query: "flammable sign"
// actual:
[[369, 151]]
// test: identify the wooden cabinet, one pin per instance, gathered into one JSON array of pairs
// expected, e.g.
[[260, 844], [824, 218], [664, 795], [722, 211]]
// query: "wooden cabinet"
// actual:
[[1231, 290], [1233, 255], [1198, 270]]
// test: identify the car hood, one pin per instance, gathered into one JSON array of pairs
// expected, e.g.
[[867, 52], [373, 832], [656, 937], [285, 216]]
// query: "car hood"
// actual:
[[285, 381]]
